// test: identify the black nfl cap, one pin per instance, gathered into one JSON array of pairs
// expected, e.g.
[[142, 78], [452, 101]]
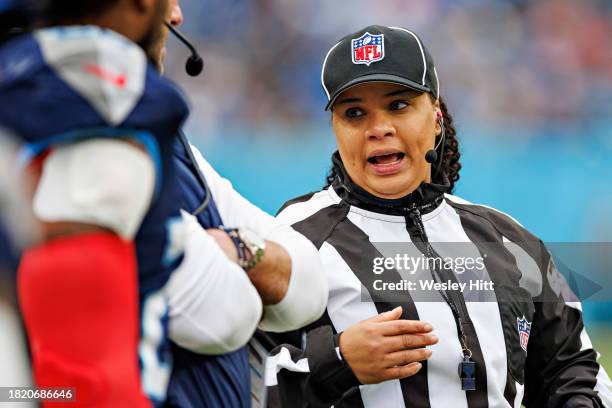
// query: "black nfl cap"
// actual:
[[379, 54]]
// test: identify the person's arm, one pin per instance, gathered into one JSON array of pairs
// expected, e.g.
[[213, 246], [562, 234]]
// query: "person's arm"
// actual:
[[328, 365], [561, 369], [203, 318], [290, 278], [78, 289]]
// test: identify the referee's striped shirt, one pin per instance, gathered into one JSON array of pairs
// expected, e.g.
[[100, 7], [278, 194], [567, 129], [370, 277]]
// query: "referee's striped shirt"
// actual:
[[558, 369]]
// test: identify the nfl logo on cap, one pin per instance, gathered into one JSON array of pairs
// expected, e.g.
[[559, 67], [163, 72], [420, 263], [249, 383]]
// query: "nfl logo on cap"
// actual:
[[368, 48], [524, 328]]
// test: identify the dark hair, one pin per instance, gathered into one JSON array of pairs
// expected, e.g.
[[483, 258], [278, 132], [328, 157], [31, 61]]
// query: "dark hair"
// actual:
[[57, 10], [450, 166], [12, 23]]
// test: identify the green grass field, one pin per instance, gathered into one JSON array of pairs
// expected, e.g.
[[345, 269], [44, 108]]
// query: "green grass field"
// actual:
[[601, 335]]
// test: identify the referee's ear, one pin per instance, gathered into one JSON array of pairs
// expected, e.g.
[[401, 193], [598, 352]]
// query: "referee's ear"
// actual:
[[438, 116]]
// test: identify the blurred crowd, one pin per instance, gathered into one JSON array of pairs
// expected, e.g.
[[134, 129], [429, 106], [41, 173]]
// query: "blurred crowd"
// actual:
[[501, 62]]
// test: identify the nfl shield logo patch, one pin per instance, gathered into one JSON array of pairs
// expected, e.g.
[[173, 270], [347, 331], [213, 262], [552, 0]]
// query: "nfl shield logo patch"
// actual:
[[368, 48], [524, 327]]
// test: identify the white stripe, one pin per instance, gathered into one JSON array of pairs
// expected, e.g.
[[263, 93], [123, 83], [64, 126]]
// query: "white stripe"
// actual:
[[520, 391], [420, 47], [346, 308], [531, 277], [437, 84], [444, 389], [460, 200], [447, 227], [444, 386], [300, 211], [323, 69], [603, 386], [574, 305], [280, 361], [487, 322], [387, 394], [585, 341]]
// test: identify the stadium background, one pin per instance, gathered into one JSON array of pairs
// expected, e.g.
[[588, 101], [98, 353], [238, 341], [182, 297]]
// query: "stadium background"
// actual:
[[529, 83]]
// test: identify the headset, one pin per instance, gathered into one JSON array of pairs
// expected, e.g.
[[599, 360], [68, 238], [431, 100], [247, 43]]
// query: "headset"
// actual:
[[195, 63], [432, 155], [193, 67]]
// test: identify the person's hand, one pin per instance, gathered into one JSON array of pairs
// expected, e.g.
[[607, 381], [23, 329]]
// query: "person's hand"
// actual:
[[384, 348], [225, 242]]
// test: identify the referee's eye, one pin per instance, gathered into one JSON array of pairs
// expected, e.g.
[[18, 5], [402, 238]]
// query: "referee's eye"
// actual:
[[354, 112], [398, 105]]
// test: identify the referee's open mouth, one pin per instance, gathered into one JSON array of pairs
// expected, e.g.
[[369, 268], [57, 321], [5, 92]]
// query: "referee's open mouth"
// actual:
[[386, 162]]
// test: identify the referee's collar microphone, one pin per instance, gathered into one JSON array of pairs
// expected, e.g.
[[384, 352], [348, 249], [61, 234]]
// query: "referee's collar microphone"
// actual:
[[195, 64]]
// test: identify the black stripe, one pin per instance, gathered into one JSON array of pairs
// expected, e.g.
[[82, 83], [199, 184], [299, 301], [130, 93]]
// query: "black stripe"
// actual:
[[316, 228], [350, 399], [273, 397], [503, 271], [507, 227], [320, 225], [510, 390], [300, 199], [357, 251], [555, 360], [477, 398], [484, 234], [271, 340], [322, 321]]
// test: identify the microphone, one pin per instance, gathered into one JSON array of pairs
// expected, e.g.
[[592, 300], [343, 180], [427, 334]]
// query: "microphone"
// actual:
[[194, 64], [431, 156]]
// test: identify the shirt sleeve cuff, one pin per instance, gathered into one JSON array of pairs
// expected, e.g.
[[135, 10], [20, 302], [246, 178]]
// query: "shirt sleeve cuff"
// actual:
[[329, 368]]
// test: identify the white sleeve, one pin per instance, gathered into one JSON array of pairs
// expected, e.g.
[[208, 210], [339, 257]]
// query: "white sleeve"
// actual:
[[306, 296], [203, 317], [106, 182]]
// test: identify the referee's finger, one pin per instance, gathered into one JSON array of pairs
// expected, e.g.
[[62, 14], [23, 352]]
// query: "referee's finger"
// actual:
[[391, 315], [397, 327], [401, 371], [405, 357], [408, 341]]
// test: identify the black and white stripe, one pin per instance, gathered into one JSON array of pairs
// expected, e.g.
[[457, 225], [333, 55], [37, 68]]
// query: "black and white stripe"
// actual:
[[344, 236]]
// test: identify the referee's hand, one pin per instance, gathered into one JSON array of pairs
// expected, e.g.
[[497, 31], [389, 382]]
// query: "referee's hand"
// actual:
[[384, 347]]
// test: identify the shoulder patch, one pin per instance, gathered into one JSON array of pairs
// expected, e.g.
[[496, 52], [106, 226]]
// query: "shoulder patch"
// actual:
[[100, 65]]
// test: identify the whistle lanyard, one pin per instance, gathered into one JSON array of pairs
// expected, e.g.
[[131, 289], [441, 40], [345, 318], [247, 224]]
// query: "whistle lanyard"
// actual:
[[467, 367]]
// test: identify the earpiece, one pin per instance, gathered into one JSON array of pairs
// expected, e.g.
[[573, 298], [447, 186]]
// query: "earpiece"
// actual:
[[440, 118]]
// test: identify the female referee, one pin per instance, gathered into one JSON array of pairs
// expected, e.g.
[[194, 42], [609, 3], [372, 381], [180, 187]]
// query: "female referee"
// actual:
[[423, 327]]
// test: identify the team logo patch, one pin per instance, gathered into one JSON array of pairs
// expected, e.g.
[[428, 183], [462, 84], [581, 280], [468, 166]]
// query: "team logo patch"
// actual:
[[368, 48], [524, 328]]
